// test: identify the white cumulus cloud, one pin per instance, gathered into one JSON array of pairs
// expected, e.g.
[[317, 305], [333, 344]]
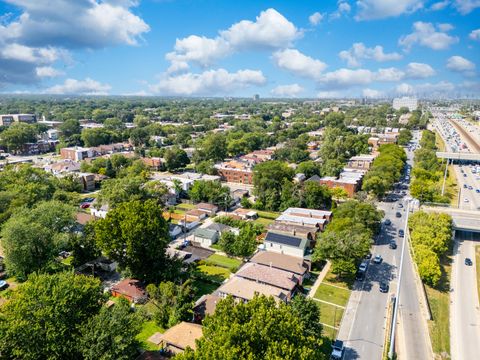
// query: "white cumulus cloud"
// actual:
[[315, 18], [475, 35], [466, 6], [380, 9], [270, 30], [209, 82], [79, 87], [298, 63], [372, 93], [359, 51], [292, 90], [48, 71], [419, 70], [440, 5], [460, 64], [425, 34]]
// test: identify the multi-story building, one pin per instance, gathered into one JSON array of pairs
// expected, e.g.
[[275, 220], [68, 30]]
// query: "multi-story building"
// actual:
[[76, 153], [236, 171], [410, 103], [8, 119], [361, 162]]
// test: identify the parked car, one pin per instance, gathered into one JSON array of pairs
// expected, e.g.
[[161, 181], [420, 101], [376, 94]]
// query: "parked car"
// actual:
[[398, 215], [465, 186], [392, 245], [466, 200], [400, 206], [388, 222], [363, 266], [338, 350], [468, 262], [90, 199], [85, 205], [384, 287], [3, 285], [401, 233], [470, 187], [378, 259], [360, 275], [368, 256]]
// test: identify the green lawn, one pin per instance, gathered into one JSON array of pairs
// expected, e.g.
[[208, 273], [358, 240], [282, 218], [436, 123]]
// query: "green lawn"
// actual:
[[332, 294], [216, 271], [268, 214], [203, 287], [224, 261], [148, 329], [185, 206], [439, 301], [341, 282], [180, 212], [263, 221], [330, 315]]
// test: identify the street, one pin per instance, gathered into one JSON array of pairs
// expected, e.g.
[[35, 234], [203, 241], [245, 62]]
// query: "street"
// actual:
[[464, 310], [363, 326]]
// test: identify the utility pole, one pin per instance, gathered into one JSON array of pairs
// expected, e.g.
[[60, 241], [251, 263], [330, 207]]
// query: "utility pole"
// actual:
[[397, 296]]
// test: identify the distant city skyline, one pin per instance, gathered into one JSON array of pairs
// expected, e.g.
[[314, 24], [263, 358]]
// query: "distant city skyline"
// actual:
[[305, 49]]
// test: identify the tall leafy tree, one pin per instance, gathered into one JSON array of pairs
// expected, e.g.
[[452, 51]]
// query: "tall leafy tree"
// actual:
[[259, 329], [42, 319], [111, 334], [135, 234]]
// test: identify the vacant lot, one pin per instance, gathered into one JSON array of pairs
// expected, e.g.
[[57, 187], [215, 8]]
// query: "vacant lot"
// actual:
[[224, 261]]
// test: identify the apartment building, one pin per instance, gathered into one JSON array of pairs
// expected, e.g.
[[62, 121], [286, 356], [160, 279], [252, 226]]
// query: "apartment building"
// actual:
[[8, 119]]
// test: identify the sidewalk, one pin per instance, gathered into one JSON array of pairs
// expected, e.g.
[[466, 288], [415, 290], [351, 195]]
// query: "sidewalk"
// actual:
[[319, 280]]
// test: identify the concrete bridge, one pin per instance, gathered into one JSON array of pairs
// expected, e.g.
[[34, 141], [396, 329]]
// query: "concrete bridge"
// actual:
[[464, 220], [466, 157]]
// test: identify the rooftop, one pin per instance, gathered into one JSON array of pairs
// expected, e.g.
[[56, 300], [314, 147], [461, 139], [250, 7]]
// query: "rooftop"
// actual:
[[246, 289], [286, 240], [281, 261], [268, 275], [183, 335]]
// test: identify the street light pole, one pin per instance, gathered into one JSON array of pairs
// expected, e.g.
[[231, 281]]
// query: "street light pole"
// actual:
[[397, 297]]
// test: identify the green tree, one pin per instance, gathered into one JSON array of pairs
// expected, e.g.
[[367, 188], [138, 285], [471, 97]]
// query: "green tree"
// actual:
[[268, 179], [96, 137], [135, 234], [173, 303], [344, 243], [176, 158], [362, 213], [258, 329], [316, 196], [70, 131], [404, 137], [213, 147], [17, 135], [309, 168], [42, 318], [111, 334], [308, 312]]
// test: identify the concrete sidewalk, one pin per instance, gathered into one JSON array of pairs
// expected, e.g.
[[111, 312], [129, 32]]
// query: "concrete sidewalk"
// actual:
[[319, 280]]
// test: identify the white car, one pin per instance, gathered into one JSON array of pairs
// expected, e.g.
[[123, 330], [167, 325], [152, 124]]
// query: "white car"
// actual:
[[466, 200]]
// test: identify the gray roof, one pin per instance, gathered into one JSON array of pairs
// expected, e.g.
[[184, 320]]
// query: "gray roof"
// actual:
[[205, 233], [314, 178], [218, 227]]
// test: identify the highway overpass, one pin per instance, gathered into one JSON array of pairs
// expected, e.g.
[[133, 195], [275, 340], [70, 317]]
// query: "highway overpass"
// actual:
[[464, 220], [470, 157]]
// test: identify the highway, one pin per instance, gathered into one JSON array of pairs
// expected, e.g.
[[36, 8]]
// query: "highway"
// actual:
[[363, 325], [464, 302], [464, 310]]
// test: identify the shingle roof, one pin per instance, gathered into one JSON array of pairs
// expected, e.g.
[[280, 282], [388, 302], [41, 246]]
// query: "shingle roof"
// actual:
[[246, 289], [183, 335], [268, 275], [205, 233], [281, 261], [283, 239]]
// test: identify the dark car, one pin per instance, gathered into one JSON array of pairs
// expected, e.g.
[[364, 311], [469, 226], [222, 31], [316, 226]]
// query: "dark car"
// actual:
[[468, 262], [401, 233], [384, 287], [392, 245], [398, 215], [90, 199], [465, 186], [388, 222], [368, 256], [360, 275], [338, 349]]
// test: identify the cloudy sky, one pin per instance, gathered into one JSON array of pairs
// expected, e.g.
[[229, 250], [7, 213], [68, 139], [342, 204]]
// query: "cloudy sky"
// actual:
[[290, 48]]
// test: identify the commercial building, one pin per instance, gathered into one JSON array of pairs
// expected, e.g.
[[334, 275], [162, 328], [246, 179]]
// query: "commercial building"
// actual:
[[361, 162], [408, 102], [236, 171], [8, 119], [76, 153]]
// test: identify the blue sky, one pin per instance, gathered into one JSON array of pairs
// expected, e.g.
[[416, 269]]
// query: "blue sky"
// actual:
[[295, 48]]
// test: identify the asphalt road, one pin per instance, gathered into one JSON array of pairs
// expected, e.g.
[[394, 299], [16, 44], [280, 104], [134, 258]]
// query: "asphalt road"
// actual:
[[464, 309], [363, 325]]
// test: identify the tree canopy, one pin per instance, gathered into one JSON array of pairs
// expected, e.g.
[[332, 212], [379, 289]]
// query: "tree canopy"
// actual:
[[135, 234]]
